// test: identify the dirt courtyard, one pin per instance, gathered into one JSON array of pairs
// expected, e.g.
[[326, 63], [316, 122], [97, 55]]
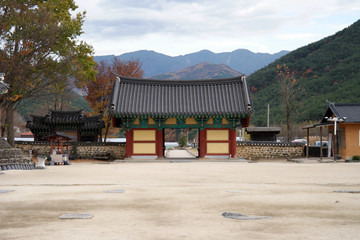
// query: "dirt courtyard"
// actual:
[[182, 200]]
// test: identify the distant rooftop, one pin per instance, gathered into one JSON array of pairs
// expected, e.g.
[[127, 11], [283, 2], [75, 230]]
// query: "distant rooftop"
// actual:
[[263, 129], [349, 110]]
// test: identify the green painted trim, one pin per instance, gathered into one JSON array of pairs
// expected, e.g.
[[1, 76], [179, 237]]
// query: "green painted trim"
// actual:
[[234, 121], [143, 120], [180, 120], [175, 126], [159, 122]]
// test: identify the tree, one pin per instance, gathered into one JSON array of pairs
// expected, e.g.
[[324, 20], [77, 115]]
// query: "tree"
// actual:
[[183, 141], [39, 48], [98, 92], [289, 91]]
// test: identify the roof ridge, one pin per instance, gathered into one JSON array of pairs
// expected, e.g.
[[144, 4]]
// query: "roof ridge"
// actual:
[[346, 104], [66, 112], [179, 82]]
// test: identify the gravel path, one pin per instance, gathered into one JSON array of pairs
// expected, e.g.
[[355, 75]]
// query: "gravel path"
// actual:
[[182, 201]]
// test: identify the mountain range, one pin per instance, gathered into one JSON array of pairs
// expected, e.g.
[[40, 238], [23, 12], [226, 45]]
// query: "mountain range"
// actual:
[[200, 71], [154, 63]]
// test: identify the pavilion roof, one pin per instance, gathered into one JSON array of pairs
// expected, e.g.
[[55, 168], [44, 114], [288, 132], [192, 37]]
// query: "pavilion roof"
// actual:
[[263, 129], [65, 116], [152, 97], [65, 120]]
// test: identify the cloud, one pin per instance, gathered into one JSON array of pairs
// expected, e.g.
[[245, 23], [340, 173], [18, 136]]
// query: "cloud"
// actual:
[[174, 26]]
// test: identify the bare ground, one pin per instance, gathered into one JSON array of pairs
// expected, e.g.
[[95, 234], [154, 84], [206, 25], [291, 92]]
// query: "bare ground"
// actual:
[[182, 201]]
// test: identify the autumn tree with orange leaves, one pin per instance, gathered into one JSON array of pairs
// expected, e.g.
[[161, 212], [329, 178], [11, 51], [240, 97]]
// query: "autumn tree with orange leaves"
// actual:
[[40, 47], [289, 92], [98, 92]]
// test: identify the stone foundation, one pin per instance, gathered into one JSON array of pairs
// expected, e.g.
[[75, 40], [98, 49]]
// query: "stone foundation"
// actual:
[[80, 150], [248, 150], [13, 158], [253, 150]]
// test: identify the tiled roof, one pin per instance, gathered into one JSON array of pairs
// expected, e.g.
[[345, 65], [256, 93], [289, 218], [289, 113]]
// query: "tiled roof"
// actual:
[[65, 119], [349, 110], [3, 87], [263, 129], [66, 116], [38, 122], [4, 144], [180, 97], [93, 122]]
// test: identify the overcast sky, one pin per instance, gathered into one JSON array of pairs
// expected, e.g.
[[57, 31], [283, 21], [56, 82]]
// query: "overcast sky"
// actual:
[[178, 27]]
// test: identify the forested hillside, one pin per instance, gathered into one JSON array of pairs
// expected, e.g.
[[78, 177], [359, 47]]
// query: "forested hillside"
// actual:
[[325, 70], [68, 101]]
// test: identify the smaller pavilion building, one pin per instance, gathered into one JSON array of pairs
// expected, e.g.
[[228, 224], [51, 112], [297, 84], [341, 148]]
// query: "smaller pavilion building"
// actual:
[[267, 134], [347, 136], [73, 124], [342, 121], [145, 107]]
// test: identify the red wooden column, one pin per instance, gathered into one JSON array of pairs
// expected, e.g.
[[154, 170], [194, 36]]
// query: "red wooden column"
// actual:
[[159, 143], [129, 143], [67, 147], [78, 136], [245, 122], [232, 142], [52, 146], [202, 143]]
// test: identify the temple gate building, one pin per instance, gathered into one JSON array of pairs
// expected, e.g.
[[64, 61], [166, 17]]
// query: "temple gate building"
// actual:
[[145, 107], [73, 124]]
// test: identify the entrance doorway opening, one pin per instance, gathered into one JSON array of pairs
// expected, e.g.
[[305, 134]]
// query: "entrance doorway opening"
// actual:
[[181, 143]]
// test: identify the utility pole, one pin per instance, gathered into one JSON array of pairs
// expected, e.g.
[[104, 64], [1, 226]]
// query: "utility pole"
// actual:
[[335, 120], [268, 115]]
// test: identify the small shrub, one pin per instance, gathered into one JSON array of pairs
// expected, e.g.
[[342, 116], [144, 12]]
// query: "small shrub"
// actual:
[[356, 157], [182, 141]]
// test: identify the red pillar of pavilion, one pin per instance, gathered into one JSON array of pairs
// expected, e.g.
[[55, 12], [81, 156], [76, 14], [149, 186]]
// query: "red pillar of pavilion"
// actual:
[[232, 142], [159, 143], [129, 143], [202, 143]]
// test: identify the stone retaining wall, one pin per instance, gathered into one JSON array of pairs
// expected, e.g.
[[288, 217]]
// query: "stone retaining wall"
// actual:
[[13, 158], [249, 149], [253, 150], [79, 149]]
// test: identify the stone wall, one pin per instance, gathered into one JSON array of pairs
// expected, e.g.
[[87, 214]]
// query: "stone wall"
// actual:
[[87, 150], [252, 150], [249, 150], [12, 158], [79, 149]]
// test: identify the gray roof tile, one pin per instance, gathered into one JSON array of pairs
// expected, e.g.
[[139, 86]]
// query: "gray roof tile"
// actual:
[[67, 119], [181, 97], [349, 110]]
